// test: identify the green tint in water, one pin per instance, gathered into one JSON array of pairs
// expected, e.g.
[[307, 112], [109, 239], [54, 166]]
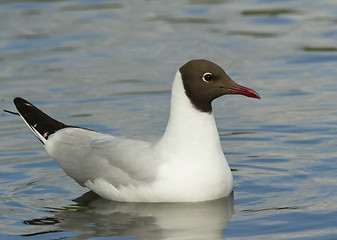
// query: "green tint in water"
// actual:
[[269, 12]]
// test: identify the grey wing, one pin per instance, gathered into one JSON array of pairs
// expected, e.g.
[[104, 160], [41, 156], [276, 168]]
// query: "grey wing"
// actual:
[[87, 155], [135, 161]]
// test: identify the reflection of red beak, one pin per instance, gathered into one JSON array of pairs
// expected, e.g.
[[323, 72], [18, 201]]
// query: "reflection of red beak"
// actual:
[[244, 91]]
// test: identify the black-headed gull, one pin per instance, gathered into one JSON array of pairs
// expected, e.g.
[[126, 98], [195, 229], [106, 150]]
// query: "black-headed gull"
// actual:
[[186, 165]]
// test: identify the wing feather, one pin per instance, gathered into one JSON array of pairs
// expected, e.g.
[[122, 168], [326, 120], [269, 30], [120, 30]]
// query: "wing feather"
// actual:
[[86, 155]]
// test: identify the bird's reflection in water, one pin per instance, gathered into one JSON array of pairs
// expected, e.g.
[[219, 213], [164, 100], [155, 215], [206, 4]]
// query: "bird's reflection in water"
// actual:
[[93, 216]]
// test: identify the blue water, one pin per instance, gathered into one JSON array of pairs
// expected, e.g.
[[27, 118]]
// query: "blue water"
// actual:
[[108, 65]]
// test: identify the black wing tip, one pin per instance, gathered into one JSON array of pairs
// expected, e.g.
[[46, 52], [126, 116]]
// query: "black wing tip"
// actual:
[[18, 101], [24, 107], [39, 122]]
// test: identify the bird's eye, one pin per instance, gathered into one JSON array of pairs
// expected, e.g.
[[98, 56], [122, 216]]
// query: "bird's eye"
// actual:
[[207, 77]]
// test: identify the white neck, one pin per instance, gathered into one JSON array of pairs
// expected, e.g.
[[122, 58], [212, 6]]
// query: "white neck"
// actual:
[[193, 163], [188, 128]]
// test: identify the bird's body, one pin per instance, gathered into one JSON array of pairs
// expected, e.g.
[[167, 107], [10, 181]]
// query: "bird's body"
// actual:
[[186, 165]]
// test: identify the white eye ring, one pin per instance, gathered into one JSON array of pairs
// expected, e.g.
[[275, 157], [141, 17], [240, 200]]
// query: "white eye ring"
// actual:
[[207, 77]]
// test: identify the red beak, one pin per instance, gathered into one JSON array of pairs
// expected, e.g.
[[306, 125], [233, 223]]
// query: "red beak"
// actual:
[[244, 91]]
